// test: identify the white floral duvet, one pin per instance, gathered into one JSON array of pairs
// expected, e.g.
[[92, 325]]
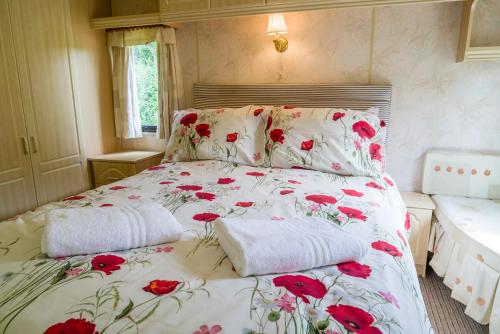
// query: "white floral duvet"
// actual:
[[189, 286]]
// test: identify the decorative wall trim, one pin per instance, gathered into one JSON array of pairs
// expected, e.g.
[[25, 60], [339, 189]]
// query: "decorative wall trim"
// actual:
[[482, 53], [125, 21], [279, 6]]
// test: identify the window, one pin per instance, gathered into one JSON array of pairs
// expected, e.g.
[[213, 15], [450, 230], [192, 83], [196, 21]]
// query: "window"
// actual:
[[146, 72]]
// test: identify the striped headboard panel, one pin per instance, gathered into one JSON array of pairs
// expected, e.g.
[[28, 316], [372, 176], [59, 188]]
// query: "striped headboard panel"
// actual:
[[357, 97]]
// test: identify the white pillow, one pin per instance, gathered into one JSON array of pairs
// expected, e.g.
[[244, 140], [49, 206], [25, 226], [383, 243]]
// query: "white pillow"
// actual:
[[339, 141], [235, 135]]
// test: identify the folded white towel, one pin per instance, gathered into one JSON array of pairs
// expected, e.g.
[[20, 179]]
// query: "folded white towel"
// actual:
[[75, 231], [257, 247]]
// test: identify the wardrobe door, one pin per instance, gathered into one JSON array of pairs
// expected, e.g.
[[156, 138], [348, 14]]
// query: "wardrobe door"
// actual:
[[43, 43], [17, 191]]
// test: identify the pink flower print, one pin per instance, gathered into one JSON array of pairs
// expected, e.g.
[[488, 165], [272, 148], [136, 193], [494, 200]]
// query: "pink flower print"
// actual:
[[185, 174], [61, 258], [183, 131], [164, 249], [132, 197], [204, 329], [286, 303], [294, 182], [329, 331], [277, 218], [269, 147], [200, 165], [302, 175], [314, 207], [196, 140], [235, 188], [73, 271], [257, 156], [296, 114], [336, 166], [389, 297], [357, 144]]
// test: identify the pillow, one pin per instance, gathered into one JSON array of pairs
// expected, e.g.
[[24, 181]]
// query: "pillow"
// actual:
[[236, 135], [339, 141]]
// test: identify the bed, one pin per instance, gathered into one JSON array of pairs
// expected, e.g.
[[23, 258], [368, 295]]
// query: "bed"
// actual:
[[189, 286], [464, 238]]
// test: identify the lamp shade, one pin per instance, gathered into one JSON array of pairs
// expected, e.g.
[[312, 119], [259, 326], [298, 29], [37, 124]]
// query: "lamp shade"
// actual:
[[276, 25]]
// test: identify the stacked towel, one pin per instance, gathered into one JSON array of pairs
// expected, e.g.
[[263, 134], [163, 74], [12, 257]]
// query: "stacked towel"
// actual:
[[257, 247], [94, 230]]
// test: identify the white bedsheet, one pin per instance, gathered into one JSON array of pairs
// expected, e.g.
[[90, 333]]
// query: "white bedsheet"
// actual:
[[190, 287], [467, 254]]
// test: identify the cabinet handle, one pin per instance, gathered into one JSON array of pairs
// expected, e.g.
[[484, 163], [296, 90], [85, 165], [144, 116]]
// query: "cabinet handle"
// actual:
[[35, 144], [25, 145]]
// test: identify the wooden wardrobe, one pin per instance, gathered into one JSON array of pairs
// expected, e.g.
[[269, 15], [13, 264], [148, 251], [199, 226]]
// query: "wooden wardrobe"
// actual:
[[41, 153]]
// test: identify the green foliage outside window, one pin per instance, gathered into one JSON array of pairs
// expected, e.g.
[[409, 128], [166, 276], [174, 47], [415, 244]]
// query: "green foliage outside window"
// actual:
[[146, 71]]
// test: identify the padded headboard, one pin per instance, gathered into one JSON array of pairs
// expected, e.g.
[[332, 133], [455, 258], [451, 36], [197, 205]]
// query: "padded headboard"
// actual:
[[358, 97], [469, 174]]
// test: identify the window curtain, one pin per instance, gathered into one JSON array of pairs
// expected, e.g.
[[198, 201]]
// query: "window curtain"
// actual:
[[125, 98], [170, 87]]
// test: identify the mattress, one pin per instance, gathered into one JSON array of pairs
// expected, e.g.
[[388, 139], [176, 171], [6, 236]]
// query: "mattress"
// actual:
[[473, 222], [189, 286], [467, 253]]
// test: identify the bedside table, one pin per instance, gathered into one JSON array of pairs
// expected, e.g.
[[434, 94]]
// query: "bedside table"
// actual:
[[420, 206], [108, 168]]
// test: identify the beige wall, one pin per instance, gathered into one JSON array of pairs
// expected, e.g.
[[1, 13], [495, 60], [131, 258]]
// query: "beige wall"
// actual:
[[437, 103], [93, 78]]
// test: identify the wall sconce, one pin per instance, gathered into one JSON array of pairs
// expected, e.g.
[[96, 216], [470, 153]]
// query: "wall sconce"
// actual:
[[277, 27]]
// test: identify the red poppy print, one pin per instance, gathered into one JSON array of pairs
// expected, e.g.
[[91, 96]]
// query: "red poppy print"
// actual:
[[387, 248], [105, 205], [321, 199], [353, 318], [294, 182], [307, 145], [107, 263], [407, 221], [244, 204], [269, 123], [156, 168], [72, 326], [189, 119], [355, 269], [277, 136], [225, 180], [166, 182], [203, 130], [118, 187], [185, 174], [74, 198], [161, 287], [190, 187], [374, 185], [382, 123], [401, 236], [352, 192], [206, 217], [258, 111], [337, 116], [256, 174], [375, 152], [205, 196], [352, 213], [232, 137], [388, 181], [301, 286], [363, 129], [286, 192]]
